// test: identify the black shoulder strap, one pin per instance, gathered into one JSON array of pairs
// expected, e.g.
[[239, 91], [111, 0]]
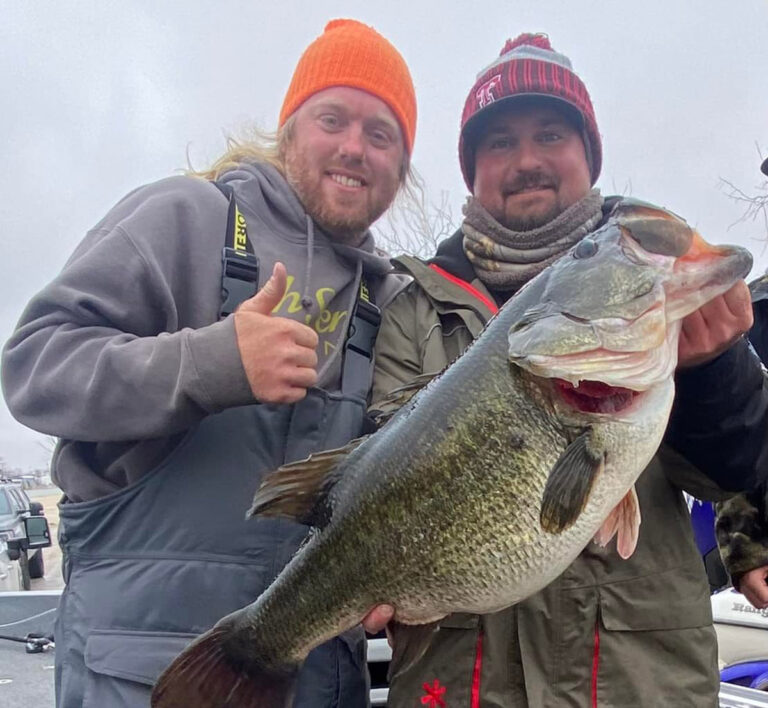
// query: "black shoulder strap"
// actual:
[[240, 281], [239, 264], [357, 365]]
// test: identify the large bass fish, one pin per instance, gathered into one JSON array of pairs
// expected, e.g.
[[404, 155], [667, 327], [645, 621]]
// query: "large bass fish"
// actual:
[[491, 479]]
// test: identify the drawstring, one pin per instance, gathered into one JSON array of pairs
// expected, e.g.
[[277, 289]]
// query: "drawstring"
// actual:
[[306, 300]]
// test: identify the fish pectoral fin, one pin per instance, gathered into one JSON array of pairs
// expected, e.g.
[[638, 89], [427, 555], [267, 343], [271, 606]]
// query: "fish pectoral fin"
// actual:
[[409, 642], [299, 490], [397, 398], [570, 482], [623, 522]]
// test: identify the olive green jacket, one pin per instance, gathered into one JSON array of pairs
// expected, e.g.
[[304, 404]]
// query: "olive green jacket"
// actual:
[[608, 632]]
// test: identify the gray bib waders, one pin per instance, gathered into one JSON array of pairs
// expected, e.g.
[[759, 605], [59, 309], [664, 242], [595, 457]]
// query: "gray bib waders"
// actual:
[[155, 564]]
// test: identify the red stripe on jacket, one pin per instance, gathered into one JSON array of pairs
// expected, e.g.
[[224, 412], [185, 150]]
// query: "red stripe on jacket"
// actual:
[[475, 695], [464, 285]]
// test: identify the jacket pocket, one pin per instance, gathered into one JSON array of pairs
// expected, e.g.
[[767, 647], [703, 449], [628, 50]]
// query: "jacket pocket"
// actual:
[[673, 599], [122, 665], [655, 639]]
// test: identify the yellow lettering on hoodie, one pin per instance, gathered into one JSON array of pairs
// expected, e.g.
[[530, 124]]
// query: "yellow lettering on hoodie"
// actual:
[[292, 298], [326, 321]]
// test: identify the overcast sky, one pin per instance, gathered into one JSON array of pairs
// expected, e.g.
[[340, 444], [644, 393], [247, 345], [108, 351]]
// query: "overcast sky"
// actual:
[[99, 97]]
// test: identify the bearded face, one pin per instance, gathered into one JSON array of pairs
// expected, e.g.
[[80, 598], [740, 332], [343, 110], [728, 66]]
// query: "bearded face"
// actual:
[[344, 160], [530, 165]]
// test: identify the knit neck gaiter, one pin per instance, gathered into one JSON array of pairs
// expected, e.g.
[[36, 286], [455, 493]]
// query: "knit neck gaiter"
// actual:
[[505, 260]]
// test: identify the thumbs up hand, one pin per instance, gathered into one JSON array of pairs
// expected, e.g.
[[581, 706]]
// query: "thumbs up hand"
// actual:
[[278, 354]]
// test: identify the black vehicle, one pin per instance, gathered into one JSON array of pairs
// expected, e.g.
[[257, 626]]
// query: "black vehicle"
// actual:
[[25, 530]]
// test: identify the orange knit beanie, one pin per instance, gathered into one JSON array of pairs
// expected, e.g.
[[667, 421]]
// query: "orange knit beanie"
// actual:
[[349, 53]]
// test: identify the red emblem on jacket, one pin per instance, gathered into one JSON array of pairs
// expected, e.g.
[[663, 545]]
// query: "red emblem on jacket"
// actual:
[[434, 695]]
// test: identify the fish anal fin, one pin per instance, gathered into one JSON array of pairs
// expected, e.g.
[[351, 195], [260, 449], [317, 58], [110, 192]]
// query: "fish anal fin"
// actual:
[[624, 523], [409, 642], [299, 490], [570, 482], [608, 528], [204, 677]]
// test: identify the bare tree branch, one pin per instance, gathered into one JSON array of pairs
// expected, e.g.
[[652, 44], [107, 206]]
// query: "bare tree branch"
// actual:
[[415, 224], [755, 205], [626, 191]]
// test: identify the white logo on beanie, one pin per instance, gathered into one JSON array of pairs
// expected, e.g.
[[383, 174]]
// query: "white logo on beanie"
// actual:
[[485, 93]]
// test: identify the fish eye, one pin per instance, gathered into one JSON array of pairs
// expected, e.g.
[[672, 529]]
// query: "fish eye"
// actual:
[[586, 248]]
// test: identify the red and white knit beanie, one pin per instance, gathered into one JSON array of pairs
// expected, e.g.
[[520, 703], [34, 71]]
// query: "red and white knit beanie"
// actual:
[[528, 66]]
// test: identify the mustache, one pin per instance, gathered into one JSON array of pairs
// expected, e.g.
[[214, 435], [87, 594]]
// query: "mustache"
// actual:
[[530, 180]]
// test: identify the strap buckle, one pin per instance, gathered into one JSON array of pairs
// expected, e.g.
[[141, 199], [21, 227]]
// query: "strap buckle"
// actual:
[[357, 366], [364, 328], [239, 278]]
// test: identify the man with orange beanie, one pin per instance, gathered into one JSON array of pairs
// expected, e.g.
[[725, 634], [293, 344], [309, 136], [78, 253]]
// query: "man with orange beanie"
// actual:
[[608, 632], [209, 328]]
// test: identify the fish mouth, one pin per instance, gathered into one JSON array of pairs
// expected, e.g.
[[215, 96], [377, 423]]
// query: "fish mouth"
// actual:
[[636, 362], [595, 396], [646, 272]]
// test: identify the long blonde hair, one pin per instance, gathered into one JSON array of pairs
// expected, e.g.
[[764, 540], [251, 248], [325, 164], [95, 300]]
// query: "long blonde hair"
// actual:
[[410, 200], [256, 146], [263, 146]]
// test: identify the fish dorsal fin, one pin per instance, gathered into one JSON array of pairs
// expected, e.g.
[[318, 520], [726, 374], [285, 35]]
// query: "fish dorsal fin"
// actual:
[[397, 398], [409, 642], [623, 522], [570, 482], [299, 490]]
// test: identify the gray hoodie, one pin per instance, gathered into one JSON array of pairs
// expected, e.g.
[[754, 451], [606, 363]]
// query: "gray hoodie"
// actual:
[[123, 352]]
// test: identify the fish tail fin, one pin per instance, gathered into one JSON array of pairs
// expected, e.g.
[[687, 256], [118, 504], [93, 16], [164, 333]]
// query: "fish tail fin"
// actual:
[[204, 676]]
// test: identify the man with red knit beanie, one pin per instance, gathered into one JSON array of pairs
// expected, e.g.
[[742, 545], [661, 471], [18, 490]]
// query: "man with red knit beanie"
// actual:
[[608, 632], [197, 339]]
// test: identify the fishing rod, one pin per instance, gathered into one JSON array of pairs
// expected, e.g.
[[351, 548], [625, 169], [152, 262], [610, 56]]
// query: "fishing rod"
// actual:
[[35, 643]]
